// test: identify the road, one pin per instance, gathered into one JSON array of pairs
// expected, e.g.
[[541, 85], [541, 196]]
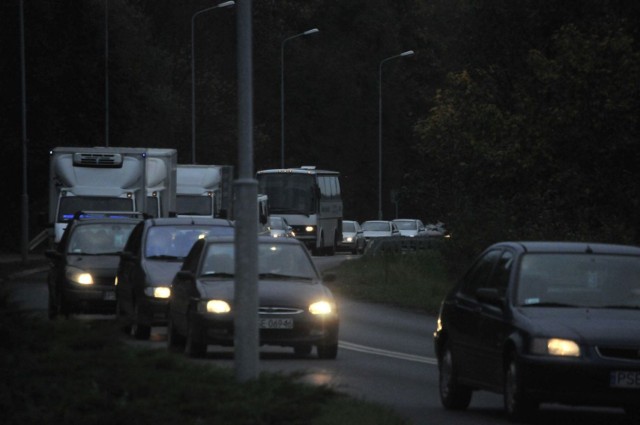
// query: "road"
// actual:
[[385, 355]]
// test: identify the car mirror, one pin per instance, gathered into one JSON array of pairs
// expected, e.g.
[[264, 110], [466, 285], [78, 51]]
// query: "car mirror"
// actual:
[[127, 255], [489, 296], [52, 254], [185, 275], [329, 277]]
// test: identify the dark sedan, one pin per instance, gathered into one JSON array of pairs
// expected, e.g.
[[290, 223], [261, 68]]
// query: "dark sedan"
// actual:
[[84, 264], [152, 256], [295, 308], [544, 322]]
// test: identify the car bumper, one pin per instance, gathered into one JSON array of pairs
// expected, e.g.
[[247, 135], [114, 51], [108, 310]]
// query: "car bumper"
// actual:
[[217, 330], [153, 311], [582, 382], [98, 299]]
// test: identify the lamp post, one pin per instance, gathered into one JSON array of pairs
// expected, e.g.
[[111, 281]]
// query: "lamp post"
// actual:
[[308, 32], [193, 75], [403, 54]]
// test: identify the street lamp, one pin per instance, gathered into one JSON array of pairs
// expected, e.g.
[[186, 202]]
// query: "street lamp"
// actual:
[[193, 76], [308, 32], [403, 54]]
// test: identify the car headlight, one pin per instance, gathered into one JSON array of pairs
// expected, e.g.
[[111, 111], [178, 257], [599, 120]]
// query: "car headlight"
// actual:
[[321, 307], [555, 347], [157, 291], [214, 306], [349, 239], [309, 229], [78, 276]]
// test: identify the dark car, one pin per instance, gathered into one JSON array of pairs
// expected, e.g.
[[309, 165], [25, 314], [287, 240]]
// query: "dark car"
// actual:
[[544, 322], [295, 308], [83, 264], [352, 237], [153, 254], [279, 227]]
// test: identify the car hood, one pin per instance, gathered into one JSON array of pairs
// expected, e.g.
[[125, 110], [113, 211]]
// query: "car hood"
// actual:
[[105, 265], [408, 232], [596, 325], [283, 293], [161, 272]]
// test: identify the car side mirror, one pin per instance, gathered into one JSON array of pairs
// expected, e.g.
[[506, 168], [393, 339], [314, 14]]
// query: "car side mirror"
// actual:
[[127, 256], [52, 254], [490, 296]]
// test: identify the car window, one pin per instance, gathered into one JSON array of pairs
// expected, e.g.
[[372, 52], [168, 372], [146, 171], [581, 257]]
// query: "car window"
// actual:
[[177, 241], [582, 280], [99, 238], [348, 227], [478, 276]]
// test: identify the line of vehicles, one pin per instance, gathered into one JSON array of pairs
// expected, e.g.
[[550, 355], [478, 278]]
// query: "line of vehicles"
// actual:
[[127, 224]]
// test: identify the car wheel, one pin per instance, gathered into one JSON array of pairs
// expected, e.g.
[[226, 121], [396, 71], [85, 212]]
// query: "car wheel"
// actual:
[[302, 350], [453, 395], [519, 408], [175, 341], [328, 351], [138, 330], [193, 348]]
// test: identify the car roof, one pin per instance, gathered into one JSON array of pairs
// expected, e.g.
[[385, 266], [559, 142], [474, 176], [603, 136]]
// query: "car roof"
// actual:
[[103, 220], [187, 221], [261, 239], [569, 247]]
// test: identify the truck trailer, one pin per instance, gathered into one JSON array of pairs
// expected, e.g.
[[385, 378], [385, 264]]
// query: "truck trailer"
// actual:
[[109, 179], [204, 190]]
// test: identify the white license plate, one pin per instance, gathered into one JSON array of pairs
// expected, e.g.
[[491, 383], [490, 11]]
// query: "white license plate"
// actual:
[[276, 323], [625, 379], [109, 296]]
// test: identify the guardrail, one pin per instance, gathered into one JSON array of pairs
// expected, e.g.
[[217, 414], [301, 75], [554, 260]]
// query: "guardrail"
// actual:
[[399, 244]]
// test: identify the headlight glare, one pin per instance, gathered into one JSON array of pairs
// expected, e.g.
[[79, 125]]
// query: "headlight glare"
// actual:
[[309, 229], [218, 307], [79, 276], [157, 291], [321, 307], [555, 347]]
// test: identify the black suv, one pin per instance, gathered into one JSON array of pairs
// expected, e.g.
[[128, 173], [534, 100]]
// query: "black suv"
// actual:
[[83, 265], [152, 256]]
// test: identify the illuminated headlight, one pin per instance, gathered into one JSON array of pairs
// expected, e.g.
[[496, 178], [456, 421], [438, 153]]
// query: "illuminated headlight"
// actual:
[[349, 239], [214, 306], [555, 347], [309, 229], [157, 291], [321, 307], [78, 276]]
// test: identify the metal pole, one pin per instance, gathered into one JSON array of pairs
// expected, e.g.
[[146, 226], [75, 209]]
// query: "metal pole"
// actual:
[[106, 73], [308, 32], [407, 53], [24, 246], [193, 76], [246, 247]]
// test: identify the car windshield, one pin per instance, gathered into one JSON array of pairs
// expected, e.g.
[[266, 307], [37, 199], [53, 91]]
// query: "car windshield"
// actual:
[[348, 227], [376, 226], [579, 280], [99, 238], [276, 223], [406, 225], [175, 242], [277, 261]]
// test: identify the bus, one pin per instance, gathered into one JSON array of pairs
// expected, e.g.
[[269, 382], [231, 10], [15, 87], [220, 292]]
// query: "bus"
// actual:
[[310, 201]]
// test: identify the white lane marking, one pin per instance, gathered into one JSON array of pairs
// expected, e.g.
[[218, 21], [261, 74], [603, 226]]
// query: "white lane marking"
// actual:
[[380, 352]]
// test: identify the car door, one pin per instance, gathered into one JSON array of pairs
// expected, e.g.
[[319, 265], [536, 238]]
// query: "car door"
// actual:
[[126, 269], [464, 314], [183, 287], [492, 323]]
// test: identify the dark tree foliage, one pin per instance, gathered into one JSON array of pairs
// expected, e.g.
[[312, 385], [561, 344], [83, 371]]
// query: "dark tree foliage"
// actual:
[[512, 120]]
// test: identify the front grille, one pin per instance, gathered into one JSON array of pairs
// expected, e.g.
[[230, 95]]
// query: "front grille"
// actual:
[[279, 310], [619, 353]]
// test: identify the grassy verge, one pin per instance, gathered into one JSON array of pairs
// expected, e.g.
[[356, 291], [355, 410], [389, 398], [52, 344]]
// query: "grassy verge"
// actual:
[[414, 280], [72, 372]]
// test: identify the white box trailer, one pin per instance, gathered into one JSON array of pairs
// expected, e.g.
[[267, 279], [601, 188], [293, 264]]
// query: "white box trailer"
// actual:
[[204, 190], [109, 179]]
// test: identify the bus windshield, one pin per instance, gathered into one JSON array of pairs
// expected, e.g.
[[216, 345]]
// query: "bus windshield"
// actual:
[[288, 193]]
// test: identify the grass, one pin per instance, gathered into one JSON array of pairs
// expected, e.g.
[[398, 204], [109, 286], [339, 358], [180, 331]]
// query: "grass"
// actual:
[[81, 372], [415, 280]]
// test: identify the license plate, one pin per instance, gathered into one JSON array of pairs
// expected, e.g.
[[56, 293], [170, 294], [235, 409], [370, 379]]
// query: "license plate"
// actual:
[[109, 296], [276, 323], [625, 379]]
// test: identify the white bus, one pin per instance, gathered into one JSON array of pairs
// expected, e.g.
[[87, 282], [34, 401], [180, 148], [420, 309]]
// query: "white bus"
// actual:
[[310, 201]]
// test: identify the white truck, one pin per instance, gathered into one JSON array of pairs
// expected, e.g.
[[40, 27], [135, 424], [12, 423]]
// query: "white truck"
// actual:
[[204, 190], [109, 179]]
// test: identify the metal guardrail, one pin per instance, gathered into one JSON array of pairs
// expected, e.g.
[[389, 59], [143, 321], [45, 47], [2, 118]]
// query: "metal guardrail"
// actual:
[[399, 244]]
